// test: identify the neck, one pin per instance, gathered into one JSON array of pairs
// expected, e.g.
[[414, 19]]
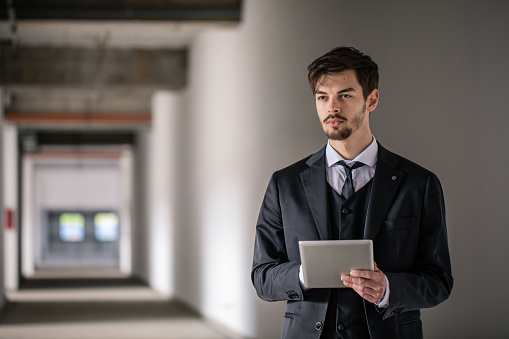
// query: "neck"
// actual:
[[352, 146]]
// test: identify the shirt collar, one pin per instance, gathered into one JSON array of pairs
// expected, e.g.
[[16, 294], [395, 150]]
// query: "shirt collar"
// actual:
[[368, 156]]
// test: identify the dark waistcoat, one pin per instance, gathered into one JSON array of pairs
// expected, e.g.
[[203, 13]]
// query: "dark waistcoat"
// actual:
[[345, 316]]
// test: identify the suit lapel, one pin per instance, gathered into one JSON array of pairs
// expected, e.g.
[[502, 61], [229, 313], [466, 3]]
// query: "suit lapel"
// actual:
[[385, 185], [315, 186]]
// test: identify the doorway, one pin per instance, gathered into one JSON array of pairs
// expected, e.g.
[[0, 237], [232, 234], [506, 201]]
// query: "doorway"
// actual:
[[76, 204]]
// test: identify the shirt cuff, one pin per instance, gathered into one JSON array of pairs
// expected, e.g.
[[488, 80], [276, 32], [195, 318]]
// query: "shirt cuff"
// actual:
[[301, 280], [385, 301]]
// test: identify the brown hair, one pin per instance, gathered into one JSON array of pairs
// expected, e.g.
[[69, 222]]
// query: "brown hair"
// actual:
[[341, 59]]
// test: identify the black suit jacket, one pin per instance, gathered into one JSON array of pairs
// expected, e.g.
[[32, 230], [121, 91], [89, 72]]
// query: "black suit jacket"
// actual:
[[405, 219]]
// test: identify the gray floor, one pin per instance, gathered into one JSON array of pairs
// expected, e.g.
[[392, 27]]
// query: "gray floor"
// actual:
[[95, 309]]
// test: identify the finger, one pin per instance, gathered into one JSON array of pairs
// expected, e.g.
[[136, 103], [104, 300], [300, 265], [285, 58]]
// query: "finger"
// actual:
[[362, 274], [377, 276], [377, 285], [366, 273], [371, 288], [371, 295]]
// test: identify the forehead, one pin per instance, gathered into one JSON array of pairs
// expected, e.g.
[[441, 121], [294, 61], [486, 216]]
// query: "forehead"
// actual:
[[346, 78]]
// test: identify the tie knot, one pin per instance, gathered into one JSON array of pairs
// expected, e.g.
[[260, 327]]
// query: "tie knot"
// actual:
[[348, 187], [349, 169]]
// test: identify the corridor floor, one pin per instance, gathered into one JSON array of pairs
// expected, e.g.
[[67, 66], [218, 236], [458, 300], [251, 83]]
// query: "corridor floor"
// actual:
[[98, 310]]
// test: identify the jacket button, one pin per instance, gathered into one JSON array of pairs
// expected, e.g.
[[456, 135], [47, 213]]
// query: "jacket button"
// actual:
[[341, 327], [318, 326], [345, 210], [397, 310]]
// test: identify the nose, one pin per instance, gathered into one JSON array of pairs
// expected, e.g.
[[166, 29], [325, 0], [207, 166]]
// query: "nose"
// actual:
[[334, 106]]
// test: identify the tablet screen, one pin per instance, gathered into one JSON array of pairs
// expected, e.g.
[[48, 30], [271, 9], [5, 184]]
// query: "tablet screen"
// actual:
[[324, 261]]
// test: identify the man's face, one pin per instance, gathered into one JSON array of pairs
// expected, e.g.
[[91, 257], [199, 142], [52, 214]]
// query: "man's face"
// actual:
[[341, 106]]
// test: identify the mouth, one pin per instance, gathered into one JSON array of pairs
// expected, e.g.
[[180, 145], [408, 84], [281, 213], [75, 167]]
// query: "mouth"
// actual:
[[334, 121]]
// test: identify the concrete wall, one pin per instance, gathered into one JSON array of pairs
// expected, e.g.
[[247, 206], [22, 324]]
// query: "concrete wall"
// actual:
[[250, 112], [2, 219], [218, 211], [157, 196], [10, 196]]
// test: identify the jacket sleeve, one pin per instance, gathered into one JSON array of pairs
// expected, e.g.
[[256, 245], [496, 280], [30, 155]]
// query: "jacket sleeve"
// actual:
[[273, 275], [430, 281]]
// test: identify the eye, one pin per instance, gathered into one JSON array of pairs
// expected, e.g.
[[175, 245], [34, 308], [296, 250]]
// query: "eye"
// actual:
[[321, 97], [345, 96]]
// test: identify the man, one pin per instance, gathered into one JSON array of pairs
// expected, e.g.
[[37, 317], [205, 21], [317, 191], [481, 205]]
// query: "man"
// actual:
[[353, 188]]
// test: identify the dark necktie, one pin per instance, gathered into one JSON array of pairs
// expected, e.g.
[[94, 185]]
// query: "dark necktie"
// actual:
[[348, 188]]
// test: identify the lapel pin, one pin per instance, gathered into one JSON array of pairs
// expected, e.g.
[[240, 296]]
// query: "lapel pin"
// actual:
[[393, 177]]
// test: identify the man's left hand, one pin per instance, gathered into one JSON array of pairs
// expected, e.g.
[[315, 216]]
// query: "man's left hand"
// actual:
[[370, 285]]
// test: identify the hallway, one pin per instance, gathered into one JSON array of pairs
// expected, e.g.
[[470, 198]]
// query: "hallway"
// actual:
[[96, 309]]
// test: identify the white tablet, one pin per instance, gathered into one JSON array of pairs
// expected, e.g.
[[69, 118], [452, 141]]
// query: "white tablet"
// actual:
[[324, 261]]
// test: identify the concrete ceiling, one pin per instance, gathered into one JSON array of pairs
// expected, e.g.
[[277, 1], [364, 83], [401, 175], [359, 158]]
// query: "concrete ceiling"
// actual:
[[124, 34], [98, 38], [115, 23]]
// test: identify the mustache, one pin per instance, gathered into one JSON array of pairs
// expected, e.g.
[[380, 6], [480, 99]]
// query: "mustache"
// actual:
[[334, 116]]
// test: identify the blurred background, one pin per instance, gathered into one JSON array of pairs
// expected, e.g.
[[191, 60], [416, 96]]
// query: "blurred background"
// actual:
[[138, 138]]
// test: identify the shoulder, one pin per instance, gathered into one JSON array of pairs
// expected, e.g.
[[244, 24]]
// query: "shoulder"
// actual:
[[412, 167], [409, 167], [298, 167], [294, 168]]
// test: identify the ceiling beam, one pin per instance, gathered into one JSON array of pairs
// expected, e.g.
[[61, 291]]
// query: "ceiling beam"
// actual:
[[146, 10], [92, 67]]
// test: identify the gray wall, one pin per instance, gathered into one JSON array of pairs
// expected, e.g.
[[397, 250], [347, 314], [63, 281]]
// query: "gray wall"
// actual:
[[250, 112]]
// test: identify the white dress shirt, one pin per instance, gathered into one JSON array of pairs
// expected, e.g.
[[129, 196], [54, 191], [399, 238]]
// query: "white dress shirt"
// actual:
[[336, 176]]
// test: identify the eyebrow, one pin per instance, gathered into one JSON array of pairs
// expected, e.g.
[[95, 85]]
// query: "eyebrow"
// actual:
[[349, 89]]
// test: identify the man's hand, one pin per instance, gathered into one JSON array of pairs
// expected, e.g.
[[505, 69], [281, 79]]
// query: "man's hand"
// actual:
[[370, 285]]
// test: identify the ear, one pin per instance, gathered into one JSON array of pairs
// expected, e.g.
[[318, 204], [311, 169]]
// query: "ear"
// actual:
[[372, 100]]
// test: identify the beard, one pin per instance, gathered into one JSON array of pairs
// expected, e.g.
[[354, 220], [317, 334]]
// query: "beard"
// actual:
[[344, 132]]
